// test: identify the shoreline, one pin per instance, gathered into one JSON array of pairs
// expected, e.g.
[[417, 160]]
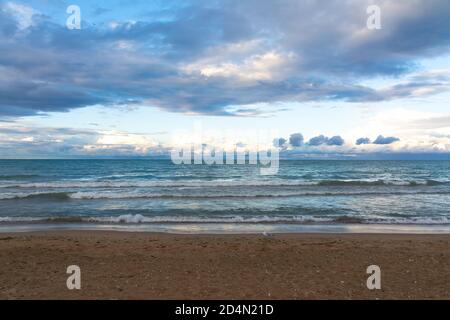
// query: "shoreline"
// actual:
[[228, 228], [146, 265]]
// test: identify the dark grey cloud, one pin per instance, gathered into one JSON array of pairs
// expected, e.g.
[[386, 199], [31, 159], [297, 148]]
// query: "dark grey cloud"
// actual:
[[336, 41], [317, 141], [335, 141], [323, 140], [50, 68], [296, 139], [361, 141], [385, 140], [279, 142]]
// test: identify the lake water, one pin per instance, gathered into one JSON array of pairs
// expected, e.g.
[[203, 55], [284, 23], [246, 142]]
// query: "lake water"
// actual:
[[158, 195]]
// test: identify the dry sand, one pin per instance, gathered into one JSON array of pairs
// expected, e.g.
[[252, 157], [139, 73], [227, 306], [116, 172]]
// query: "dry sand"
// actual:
[[119, 265]]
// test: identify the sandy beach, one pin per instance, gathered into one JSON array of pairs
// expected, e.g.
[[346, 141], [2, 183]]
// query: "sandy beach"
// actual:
[[120, 265]]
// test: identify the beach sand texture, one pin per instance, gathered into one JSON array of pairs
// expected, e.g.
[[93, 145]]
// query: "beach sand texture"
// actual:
[[120, 265]]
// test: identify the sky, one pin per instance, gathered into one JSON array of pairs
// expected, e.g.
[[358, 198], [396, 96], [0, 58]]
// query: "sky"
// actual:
[[312, 74]]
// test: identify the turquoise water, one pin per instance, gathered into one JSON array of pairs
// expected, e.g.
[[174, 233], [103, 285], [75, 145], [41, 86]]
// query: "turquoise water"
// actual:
[[158, 195]]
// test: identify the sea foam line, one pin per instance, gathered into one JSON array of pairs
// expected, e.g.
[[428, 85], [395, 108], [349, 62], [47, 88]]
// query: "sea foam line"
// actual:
[[299, 219], [220, 183], [98, 195]]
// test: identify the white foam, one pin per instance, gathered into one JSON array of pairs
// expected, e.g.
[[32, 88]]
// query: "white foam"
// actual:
[[138, 218], [154, 183], [9, 196], [412, 220], [21, 219], [129, 218]]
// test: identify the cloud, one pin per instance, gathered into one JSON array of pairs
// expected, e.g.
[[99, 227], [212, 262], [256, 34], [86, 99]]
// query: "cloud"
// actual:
[[323, 140], [22, 14], [210, 56], [296, 140], [112, 140], [259, 67], [385, 140], [17, 141], [279, 142], [317, 141], [25, 141], [335, 141], [430, 123], [361, 141]]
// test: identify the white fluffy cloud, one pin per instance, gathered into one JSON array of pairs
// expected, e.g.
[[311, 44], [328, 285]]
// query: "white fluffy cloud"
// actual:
[[254, 67], [114, 140]]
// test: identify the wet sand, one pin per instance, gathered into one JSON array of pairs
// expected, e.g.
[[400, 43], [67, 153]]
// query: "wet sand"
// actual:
[[120, 265]]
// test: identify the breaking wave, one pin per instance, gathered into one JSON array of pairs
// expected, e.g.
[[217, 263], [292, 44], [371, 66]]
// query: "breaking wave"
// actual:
[[37, 195], [221, 183], [98, 195], [299, 219]]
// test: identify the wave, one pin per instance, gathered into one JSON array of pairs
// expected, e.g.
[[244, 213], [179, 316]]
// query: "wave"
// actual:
[[161, 184], [129, 218], [381, 183], [98, 195], [261, 219], [21, 219], [138, 218], [42, 195], [123, 195], [221, 183]]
